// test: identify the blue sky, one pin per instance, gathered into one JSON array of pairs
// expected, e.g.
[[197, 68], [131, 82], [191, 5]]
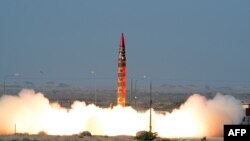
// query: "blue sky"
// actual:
[[196, 41]]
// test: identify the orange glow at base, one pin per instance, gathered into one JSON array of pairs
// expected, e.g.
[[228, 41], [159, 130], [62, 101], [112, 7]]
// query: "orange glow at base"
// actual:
[[31, 113]]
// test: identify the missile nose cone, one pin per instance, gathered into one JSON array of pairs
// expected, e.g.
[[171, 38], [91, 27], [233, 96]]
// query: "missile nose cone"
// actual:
[[122, 42]]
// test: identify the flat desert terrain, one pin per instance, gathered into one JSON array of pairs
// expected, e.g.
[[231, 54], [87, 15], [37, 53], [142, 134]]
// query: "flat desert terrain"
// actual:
[[87, 138]]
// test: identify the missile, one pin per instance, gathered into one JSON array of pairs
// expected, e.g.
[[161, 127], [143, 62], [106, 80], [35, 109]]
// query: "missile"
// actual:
[[121, 71]]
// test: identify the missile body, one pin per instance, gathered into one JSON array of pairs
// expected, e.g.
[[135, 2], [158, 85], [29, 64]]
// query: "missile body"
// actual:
[[121, 80]]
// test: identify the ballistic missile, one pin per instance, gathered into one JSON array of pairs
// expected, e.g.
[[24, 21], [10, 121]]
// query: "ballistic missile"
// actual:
[[121, 71]]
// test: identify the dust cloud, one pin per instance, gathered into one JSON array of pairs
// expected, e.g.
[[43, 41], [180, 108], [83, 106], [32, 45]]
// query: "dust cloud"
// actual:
[[32, 112]]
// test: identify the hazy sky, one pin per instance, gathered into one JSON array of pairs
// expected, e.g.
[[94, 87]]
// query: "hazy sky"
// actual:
[[193, 40]]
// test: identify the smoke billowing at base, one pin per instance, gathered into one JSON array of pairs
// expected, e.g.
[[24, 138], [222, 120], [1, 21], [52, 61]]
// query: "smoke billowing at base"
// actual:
[[31, 113]]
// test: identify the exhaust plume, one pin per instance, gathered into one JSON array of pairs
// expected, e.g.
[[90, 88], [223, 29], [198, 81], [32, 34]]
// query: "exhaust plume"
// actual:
[[31, 113]]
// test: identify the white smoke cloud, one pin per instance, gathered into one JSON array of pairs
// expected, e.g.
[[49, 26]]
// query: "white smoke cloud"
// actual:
[[32, 112]]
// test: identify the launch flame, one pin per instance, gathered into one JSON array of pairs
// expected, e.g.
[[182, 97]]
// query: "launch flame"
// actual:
[[32, 112]]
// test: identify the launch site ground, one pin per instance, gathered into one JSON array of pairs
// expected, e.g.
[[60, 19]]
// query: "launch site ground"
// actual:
[[92, 138]]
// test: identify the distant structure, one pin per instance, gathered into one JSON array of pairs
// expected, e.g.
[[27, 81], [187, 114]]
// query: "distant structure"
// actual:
[[121, 80], [246, 119]]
